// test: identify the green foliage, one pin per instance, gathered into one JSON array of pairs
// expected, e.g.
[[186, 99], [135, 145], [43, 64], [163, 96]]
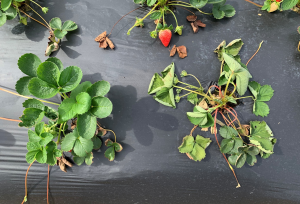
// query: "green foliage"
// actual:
[[60, 30]]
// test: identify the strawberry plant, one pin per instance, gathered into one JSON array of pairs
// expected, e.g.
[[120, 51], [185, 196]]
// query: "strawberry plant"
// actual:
[[281, 5], [82, 104], [158, 9], [10, 9], [241, 143]]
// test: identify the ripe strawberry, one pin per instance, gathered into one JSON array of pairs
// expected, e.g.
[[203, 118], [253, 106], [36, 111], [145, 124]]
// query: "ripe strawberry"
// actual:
[[165, 37]]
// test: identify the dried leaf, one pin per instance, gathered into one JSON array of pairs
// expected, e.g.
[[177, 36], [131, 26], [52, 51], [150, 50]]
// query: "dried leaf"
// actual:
[[204, 129], [73, 124], [212, 130], [102, 130], [182, 51], [103, 44], [203, 104], [62, 166], [101, 37], [108, 141], [110, 43], [191, 18], [200, 24], [158, 21], [173, 51], [273, 7], [195, 27], [244, 131], [66, 162]]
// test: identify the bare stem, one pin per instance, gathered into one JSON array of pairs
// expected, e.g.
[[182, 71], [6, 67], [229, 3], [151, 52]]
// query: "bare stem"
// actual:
[[255, 53], [113, 133], [25, 198]]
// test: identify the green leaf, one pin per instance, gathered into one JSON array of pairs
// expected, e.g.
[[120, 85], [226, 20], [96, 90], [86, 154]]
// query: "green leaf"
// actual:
[[23, 20], [69, 26], [52, 153], [30, 117], [254, 88], [97, 143], [251, 159], [22, 86], [232, 63], [33, 137], [166, 97], [155, 15], [70, 78], [83, 146], [228, 132], [33, 103], [45, 10], [33, 146], [156, 84], [109, 143], [151, 2], [46, 138], [198, 153], [86, 125], [50, 113], [259, 128], [70, 107], [263, 144], [78, 160], [228, 10], [223, 79], [199, 116], [41, 89], [101, 107], [193, 98], [11, 13], [234, 47], [80, 88], [139, 1], [5, 4], [55, 23], [242, 79], [41, 156], [217, 12], [28, 64], [39, 128], [198, 3], [227, 145], [265, 93], [30, 156], [288, 4], [89, 158], [110, 154], [203, 142], [118, 147], [187, 144], [210, 122], [2, 18], [237, 144], [57, 62], [100, 88], [69, 140], [214, 1], [231, 99], [261, 109], [298, 29], [60, 33], [241, 160], [49, 72], [253, 151], [168, 75], [232, 159]]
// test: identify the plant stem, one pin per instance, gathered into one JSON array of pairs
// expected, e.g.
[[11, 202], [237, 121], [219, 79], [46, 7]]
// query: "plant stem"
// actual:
[[25, 198], [33, 18], [233, 89], [184, 95], [222, 67], [27, 97], [228, 82], [194, 87], [113, 133], [299, 47], [174, 17], [64, 129], [255, 53], [62, 95], [186, 9], [58, 139], [36, 4], [201, 94], [65, 95], [39, 16], [194, 128], [253, 3], [245, 97], [48, 184], [196, 79], [188, 6], [8, 119]]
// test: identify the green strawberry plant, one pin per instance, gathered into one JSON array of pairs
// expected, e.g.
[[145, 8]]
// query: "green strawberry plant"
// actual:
[[83, 103], [160, 8], [279, 5], [238, 145], [10, 9]]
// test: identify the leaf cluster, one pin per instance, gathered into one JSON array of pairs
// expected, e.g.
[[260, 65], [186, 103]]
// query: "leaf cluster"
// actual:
[[273, 5]]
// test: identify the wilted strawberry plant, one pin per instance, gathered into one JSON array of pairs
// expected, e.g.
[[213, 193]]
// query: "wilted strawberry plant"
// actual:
[[10, 9], [279, 5], [82, 104], [158, 9], [241, 143]]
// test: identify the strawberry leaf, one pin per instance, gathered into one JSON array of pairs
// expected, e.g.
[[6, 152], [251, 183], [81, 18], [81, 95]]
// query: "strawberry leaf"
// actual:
[[49, 72], [198, 3], [33, 103], [2, 18], [187, 144], [241, 160], [156, 84], [57, 62], [55, 23], [83, 146], [166, 97], [22, 86], [100, 88], [89, 158], [288, 4], [28, 64], [151, 2], [198, 153], [203, 142], [5, 4], [42, 89], [227, 145], [101, 107], [30, 117], [110, 154], [69, 141], [97, 143], [70, 78], [69, 26], [228, 132], [80, 88], [234, 47], [86, 125]]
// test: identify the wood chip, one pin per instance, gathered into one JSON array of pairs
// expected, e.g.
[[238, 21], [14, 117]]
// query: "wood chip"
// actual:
[[101, 37], [200, 24], [173, 51], [191, 18], [103, 44], [195, 27], [182, 51], [110, 43]]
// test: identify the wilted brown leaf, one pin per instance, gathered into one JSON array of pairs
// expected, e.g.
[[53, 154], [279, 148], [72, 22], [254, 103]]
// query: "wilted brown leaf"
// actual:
[[195, 27], [103, 44], [101, 37], [102, 130], [203, 104], [191, 18], [66, 162], [110, 43], [200, 24], [173, 51], [204, 129], [182, 51], [273, 7], [158, 21], [62, 166], [106, 141], [244, 131]]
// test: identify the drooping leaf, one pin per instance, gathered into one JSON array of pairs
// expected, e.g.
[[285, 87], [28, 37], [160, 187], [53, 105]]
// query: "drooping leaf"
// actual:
[[234, 47], [70, 78], [86, 125], [49, 72], [30, 117], [109, 143], [187, 144], [168, 75], [80, 88], [156, 84], [166, 97], [198, 3], [100, 88], [69, 26], [110, 154], [228, 132], [28, 64], [193, 98], [101, 107], [227, 145], [33, 103], [57, 62], [118, 147], [41, 89], [55, 23]]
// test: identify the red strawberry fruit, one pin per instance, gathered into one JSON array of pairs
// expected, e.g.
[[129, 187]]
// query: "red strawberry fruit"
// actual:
[[165, 37]]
